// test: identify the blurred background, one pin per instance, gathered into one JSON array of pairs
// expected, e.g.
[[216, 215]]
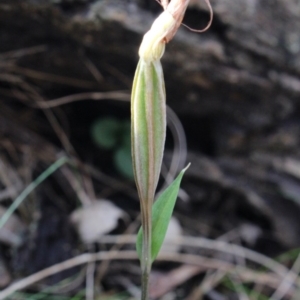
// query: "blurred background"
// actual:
[[233, 95]]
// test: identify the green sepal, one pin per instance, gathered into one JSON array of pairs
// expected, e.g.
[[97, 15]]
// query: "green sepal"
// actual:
[[162, 211], [148, 128]]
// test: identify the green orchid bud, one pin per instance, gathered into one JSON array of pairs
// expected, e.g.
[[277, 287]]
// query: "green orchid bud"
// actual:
[[148, 127], [148, 133]]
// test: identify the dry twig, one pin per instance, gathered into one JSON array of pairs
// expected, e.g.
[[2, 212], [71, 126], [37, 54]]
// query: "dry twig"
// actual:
[[207, 263]]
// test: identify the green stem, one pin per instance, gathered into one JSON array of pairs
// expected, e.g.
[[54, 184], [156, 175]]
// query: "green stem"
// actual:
[[146, 259], [145, 285]]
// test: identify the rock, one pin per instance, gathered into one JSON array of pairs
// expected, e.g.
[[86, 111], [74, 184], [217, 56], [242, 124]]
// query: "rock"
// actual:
[[95, 220]]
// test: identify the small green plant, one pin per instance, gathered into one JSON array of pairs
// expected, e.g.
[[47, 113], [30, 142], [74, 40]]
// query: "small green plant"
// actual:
[[148, 131], [112, 134]]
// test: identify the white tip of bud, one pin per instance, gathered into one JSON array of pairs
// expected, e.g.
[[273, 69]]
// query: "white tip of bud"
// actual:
[[153, 44]]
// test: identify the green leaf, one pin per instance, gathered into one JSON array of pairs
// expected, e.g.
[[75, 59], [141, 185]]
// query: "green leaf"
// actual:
[[105, 132], [123, 161], [161, 214]]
